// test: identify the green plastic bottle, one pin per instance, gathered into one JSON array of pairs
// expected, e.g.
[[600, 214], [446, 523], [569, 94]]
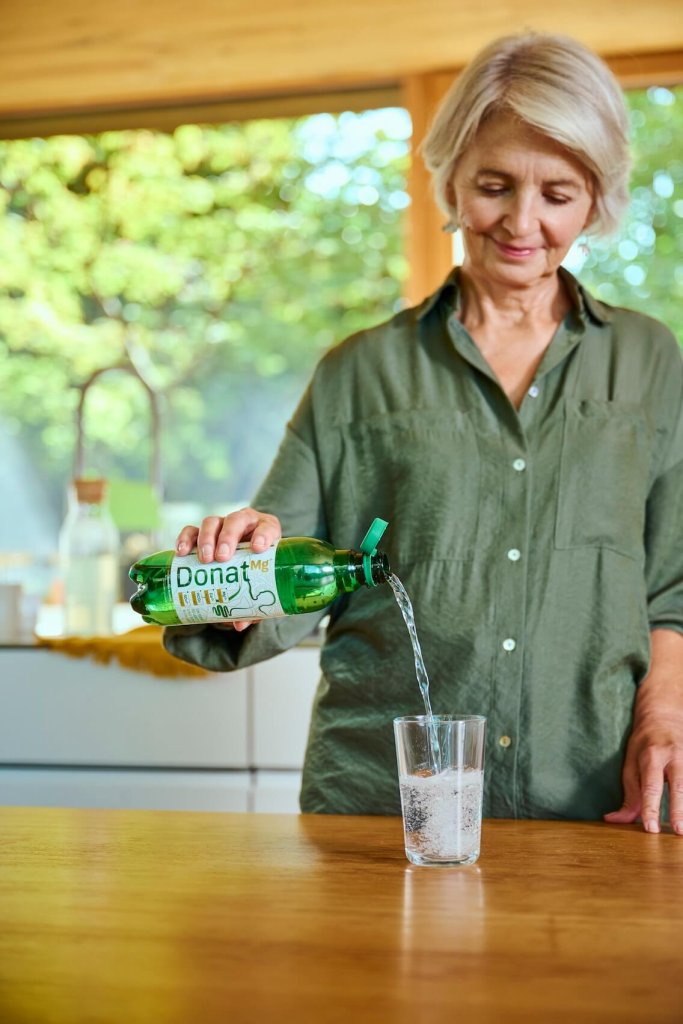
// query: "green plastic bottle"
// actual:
[[298, 574]]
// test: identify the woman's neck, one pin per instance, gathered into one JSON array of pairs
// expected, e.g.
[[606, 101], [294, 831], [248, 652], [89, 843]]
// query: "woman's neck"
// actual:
[[486, 302], [512, 327]]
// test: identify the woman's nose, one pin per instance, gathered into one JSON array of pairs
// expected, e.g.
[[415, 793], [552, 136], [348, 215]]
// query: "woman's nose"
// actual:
[[521, 217]]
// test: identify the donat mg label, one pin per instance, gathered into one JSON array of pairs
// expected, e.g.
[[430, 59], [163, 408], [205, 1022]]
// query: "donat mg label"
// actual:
[[242, 588]]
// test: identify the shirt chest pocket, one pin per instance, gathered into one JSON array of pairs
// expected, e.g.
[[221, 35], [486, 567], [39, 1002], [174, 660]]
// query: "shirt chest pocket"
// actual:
[[420, 470], [604, 477]]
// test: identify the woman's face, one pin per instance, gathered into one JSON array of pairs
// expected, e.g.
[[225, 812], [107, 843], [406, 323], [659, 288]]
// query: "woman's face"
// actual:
[[522, 200]]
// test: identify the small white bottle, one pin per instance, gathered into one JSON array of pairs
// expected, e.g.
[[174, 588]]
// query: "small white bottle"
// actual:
[[89, 560]]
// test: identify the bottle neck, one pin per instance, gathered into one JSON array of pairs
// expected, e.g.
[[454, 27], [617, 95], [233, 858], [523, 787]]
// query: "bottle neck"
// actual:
[[350, 570], [88, 510], [91, 508]]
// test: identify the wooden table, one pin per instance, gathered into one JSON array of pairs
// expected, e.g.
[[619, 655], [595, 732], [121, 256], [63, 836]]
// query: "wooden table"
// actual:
[[160, 917]]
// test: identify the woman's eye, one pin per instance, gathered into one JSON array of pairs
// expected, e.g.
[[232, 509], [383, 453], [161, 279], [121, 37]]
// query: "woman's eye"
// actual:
[[492, 190], [557, 200]]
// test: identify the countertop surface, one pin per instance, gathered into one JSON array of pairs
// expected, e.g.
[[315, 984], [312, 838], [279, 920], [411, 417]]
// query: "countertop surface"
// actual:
[[112, 916], [49, 624]]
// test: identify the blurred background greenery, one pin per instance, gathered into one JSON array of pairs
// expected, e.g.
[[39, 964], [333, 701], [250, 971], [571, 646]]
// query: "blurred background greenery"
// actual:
[[643, 266], [221, 261]]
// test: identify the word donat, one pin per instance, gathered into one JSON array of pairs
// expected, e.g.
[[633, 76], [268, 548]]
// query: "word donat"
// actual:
[[218, 575]]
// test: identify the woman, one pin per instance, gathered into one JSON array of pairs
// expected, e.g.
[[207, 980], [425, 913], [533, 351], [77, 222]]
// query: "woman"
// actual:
[[526, 444]]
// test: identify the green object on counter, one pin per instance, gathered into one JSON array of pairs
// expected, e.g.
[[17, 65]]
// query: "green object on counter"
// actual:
[[134, 505]]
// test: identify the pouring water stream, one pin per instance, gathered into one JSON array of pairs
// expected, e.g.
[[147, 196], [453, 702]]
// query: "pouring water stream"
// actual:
[[406, 607]]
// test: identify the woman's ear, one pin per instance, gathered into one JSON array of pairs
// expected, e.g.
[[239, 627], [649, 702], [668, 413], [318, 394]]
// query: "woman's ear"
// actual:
[[592, 214], [591, 217]]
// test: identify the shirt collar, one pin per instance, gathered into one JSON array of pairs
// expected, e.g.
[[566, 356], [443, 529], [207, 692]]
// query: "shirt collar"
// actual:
[[585, 306], [583, 302], [449, 290]]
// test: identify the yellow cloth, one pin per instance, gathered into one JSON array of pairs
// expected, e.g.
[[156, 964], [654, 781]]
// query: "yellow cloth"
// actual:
[[139, 649]]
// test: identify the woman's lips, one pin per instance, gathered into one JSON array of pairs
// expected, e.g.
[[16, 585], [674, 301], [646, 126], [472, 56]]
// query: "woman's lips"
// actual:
[[514, 252]]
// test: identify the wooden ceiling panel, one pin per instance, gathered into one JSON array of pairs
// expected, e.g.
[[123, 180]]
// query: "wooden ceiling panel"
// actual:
[[87, 55]]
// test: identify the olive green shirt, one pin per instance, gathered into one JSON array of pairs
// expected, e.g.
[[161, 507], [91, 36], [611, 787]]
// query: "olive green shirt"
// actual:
[[539, 546]]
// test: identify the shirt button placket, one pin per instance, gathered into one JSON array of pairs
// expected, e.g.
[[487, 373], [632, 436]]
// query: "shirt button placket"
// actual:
[[511, 620]]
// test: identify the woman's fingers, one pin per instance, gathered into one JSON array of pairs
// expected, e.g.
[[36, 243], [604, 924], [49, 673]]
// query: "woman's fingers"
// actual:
[[217, 537], [646, 769], [206, 538], [651, 788], [238, 624], [675, 779], [186, 540], [630, 809], [263, 529]]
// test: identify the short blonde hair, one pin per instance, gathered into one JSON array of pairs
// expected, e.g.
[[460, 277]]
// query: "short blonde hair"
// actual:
[[557, 86]]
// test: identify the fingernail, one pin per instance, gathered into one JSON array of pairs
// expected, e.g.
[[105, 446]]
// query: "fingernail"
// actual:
[[677, 826], [206, 552], [651, 826], [223, 551], [181, 548], [259, 541]]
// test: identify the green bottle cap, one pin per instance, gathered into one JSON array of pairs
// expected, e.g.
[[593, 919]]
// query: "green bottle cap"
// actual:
[[369, 547]]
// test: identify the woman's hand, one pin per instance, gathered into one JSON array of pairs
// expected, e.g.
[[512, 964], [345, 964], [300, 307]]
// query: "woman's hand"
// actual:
[[655, 748], [218, 536]]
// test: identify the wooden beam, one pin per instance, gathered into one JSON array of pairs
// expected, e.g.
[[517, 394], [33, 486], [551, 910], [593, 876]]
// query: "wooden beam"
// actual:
[[429, 248], [641, 70], [167, 118]]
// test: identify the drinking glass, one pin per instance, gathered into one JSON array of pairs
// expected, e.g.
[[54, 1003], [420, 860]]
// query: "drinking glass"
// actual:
[[441, 778]]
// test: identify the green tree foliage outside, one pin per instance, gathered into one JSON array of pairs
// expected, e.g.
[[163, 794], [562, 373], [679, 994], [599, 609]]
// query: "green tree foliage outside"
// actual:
[[222, 261], [642, 268]]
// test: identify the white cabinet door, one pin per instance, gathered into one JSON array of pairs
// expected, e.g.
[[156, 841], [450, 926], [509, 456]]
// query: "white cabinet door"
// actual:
[[72, 711], [281, 693], [143, 790]]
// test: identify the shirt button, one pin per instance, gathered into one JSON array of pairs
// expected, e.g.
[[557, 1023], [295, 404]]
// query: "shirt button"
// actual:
[[514, 555], [534, 391], [509, 644], [519, 465], [504, 741]]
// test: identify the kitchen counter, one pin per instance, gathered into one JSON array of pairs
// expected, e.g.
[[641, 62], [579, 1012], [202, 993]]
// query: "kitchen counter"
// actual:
[[49, 624], [171, 918], [78, 733]]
